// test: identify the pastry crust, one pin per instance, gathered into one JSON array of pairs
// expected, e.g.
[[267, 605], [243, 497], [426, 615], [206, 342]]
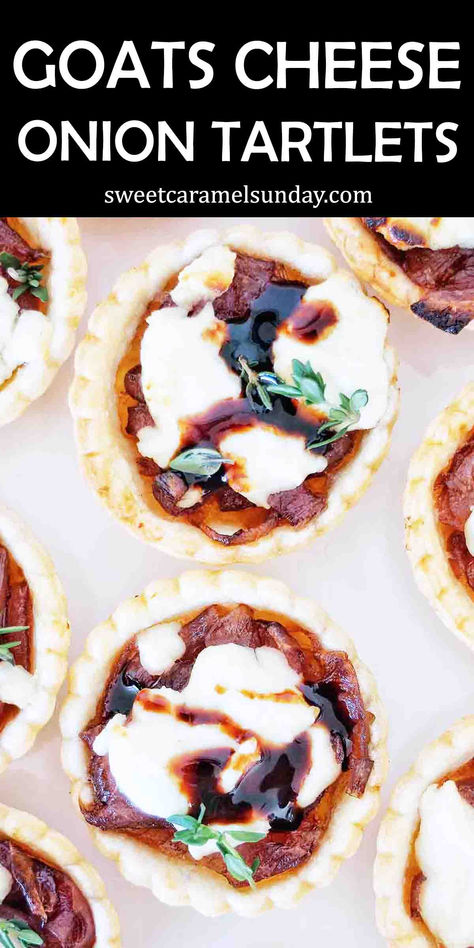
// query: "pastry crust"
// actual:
[[107, 457], [444, 755], [59, 236], [366, 258], [51, 637], [29, 831], [171, 879], [424, 542]]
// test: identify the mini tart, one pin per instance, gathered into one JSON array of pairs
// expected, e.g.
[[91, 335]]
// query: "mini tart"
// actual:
[[40, 333], [30, 595], [27, 842], [398, 262], [420, 828], [301, 632], [110, 411], [437, 550]]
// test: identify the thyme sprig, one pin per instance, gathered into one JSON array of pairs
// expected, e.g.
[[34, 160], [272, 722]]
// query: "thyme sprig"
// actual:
[[195, 833], [254, 388], [307, 383], [201, 461], [5, 647], [310, 386], [28, 275], [341, 418], [14, 932]]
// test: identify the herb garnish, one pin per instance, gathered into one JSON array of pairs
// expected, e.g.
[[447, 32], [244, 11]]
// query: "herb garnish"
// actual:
[[341, 418], [254, 387], [307, 383], [14, 932], [310, 386], [201, 461], [5, 653], [196, 833], [28, 275]]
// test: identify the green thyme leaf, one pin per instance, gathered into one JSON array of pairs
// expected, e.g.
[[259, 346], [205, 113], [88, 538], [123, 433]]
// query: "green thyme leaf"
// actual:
[[196, 833], [5, 647], [341, 418], [310, 382], [310, 386], [238, 868], [40, 292], [281, 388], [201, 461], [245, 836], [27, 275], [359, 399], [8, 260], [14, 931], [19, 290]]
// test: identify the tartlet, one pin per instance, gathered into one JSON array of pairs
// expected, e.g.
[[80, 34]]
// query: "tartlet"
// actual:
[[33, 654], [221, 697], [47, 886], [425, 264], [42, 298], [423, 870], [438, 499], [180, 428]]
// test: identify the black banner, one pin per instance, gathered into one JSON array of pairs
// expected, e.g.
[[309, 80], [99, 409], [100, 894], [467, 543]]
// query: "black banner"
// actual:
[[250, 121]]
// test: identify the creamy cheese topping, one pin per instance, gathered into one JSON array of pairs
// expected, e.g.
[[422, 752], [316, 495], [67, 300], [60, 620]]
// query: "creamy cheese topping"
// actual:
[[256, 702], [206, 277], [17, 685], [160, 646], [436, 233], [6, 882], [182, 375], [349, 354], [266, 461], [469, 532], [444, 850], [24, 334]]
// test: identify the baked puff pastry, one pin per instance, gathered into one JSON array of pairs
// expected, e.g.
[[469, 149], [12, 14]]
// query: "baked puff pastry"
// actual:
[[234, 395], [424, 877], [49, 894], [439, 523], [42, 298], [34, 637], [224, 742], [425, 264]]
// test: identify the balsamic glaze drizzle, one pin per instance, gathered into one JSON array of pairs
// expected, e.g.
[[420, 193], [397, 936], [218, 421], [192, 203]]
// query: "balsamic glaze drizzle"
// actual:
[[254, 336], [269, 788]]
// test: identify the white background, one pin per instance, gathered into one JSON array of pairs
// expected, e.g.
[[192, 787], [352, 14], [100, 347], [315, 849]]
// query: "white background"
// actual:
[[359, 573]]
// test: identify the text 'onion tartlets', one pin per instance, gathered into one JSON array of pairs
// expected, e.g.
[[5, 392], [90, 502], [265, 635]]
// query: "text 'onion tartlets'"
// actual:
[[422, 263], [224, 743], [42, 298], [49, 894], [34, 637], [424, 875], [234, 395], [439, 499]]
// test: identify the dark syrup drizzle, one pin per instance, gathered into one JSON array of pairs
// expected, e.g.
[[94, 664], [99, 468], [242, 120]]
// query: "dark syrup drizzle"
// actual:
[[122, 694], [269, 788], [254, 336]]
